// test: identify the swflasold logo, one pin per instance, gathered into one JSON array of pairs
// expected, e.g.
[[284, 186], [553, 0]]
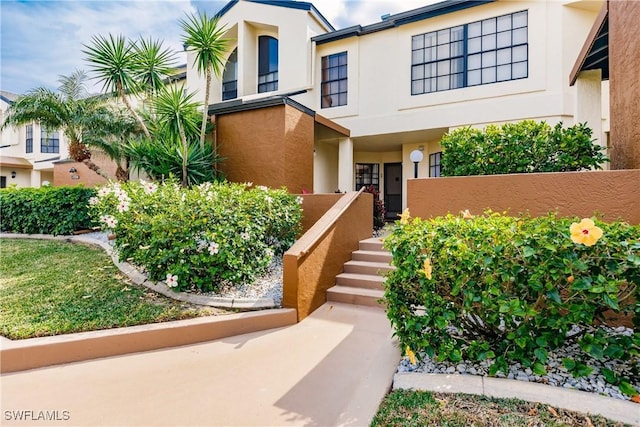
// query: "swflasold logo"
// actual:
[[31, 415]]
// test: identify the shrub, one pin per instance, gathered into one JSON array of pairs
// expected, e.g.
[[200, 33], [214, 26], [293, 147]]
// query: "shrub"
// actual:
[[523, 147], [502, 288], [197, 238], [378, 208], [162, 158], [45, 210]]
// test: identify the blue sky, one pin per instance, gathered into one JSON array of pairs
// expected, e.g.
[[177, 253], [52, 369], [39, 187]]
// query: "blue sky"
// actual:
[[41, 40]]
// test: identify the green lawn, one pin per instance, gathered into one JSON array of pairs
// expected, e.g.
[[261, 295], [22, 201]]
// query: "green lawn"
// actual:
[[51, 288], [406, 408]]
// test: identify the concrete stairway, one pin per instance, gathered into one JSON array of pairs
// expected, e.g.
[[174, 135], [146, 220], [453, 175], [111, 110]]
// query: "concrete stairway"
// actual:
[[361, 282]]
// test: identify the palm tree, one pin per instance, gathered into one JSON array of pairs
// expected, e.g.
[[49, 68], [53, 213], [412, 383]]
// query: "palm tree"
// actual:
[[175, 112], [127, 68], [174, 123], [67, 110], [111, 128], [205, 39], [152, 65]]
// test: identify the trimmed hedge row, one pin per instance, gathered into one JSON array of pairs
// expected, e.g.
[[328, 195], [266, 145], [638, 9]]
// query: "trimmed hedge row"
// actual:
[[524, 147], [45, 210]]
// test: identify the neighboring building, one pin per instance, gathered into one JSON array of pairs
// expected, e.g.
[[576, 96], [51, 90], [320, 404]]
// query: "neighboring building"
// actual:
[[27, 153], [304, 105]]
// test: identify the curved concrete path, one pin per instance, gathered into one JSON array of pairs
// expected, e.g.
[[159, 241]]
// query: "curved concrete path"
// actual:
[[331, 369]]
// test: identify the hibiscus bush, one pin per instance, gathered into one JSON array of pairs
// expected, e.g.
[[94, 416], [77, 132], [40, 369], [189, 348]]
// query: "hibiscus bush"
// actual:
[[200, 237], [505, 289]]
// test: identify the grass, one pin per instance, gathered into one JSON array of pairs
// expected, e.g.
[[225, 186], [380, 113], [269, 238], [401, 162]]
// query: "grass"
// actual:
[[409, 408], [52, 288]]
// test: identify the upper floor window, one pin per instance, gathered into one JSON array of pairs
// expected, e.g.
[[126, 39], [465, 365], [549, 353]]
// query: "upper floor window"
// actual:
[[482, 52], [334, 80], [29, 139], [230, 77], [267, 64], [49, 140], [435, 166]]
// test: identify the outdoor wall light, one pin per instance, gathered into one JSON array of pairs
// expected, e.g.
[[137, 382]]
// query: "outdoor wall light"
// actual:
[[13, 174], [416, 157], [74, 174]]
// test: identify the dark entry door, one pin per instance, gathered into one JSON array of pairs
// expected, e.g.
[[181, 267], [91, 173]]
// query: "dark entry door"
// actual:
[[393, 190]]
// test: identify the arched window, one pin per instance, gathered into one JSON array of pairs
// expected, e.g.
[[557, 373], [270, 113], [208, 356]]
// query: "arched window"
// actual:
[[267, 64], [230, 77]]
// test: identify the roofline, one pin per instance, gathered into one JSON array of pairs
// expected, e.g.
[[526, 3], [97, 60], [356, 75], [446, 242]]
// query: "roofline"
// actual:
[[7, 100], [300, 5], [402, 18], [238, 105], [589, 42]]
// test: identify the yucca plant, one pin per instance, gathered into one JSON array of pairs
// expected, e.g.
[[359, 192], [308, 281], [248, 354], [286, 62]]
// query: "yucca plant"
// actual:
[[205, 38]]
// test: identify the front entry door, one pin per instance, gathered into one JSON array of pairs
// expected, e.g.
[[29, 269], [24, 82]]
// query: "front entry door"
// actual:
[[393, 190]]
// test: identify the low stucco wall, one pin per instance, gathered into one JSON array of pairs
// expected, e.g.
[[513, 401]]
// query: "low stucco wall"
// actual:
[[312, 263], [20, 355], [612, 195], [85, 176]]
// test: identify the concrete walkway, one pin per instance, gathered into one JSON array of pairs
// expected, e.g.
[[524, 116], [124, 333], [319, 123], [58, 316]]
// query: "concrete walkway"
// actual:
[[331, 369]]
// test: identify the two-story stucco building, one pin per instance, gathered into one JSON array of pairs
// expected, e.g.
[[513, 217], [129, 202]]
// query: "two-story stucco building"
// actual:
[[28, 152], [304, 105]]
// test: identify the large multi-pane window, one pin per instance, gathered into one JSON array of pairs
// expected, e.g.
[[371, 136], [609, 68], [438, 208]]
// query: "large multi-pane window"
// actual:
[[367, 174], [435, 166], [29, 139], [230, 77], [267, 64], [334, 80], [482, 52], [49, 140]]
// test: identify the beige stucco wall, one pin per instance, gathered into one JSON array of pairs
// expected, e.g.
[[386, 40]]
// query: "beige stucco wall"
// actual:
[[245, 22], [611, 195], [624, 66], [380, 101], [270, 146]]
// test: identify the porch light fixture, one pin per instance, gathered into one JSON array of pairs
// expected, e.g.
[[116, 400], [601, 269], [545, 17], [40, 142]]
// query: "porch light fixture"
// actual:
[[416, 157], [13, 174], [74, 173]]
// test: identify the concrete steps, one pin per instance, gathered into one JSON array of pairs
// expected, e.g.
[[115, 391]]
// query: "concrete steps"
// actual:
[[363, 277]]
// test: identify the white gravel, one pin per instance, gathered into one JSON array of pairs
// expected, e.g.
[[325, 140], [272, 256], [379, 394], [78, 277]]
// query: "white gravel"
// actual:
[[557, 374]]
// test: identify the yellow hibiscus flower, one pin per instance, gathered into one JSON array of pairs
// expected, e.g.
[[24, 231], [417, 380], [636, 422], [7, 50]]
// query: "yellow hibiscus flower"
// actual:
[[404, 218], [411, 355], [585, 232], [427, 268]]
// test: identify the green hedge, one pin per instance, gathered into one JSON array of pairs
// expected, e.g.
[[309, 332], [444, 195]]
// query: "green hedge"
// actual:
[[45, 210], [523, 147], [512, 288]]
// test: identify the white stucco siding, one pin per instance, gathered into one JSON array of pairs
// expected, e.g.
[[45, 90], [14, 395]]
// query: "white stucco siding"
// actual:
[[246, 21], [382, 63]]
